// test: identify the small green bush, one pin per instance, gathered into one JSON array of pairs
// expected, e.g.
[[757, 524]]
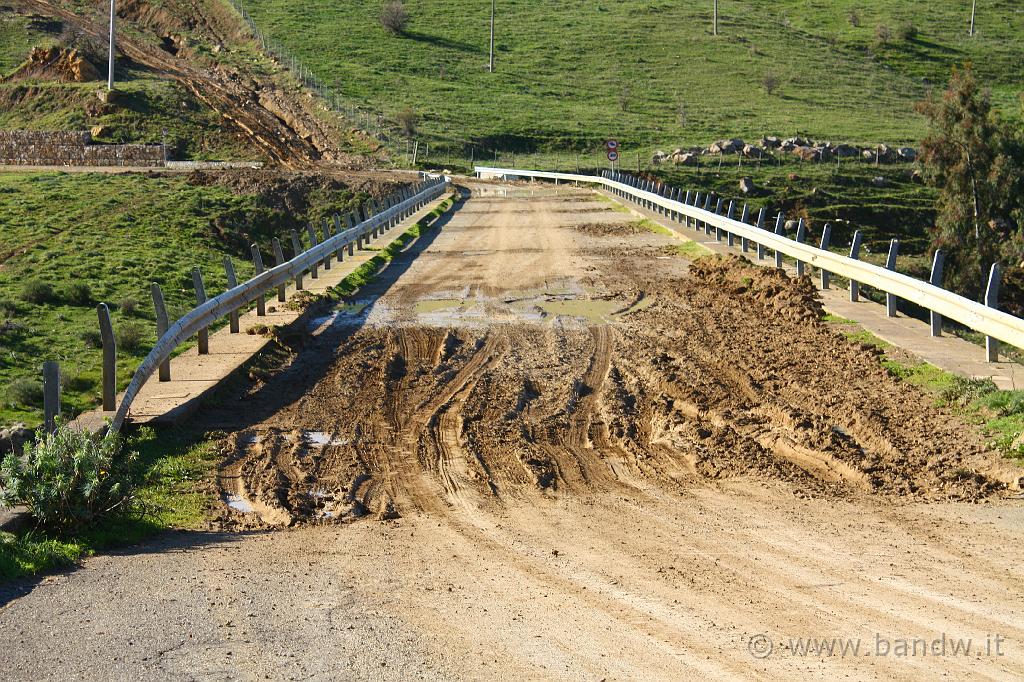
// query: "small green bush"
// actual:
[[129, 337], [37, 292], [91, 338], [78, 293], [906, 31], [25, 392], [128, 306], [963, 391], [8, 309], [70, 479]]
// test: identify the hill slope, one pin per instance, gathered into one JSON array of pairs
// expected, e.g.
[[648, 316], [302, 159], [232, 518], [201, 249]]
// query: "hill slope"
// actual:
[[651, 73]]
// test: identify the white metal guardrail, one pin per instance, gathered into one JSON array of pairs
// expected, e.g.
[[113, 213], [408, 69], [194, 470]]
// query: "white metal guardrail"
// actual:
[[395, 209], [995, 324]]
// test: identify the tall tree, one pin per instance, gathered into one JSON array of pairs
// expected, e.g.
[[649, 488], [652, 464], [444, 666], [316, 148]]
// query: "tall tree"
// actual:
[[976, 161]]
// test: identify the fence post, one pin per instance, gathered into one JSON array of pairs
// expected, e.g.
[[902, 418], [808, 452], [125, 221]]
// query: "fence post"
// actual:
[[51, 395], [858, 237], [707, 207], [313, 273], [109, 358], [938, 262], [282, 289], [162, 323], [780, 229], [718, 211], [760, 225], [340, 252], [326, 229], [351, 222], [729, 215], [257, 261], [297, 250], [229, 271], [992, 301], [890, 264], [745, 219], [826, 241], [801, 235], [204, 333]]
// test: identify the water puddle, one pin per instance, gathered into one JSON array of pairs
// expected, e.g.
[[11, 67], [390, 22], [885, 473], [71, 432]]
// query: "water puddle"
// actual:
[[343, 315], [319, 439], [240, 504]]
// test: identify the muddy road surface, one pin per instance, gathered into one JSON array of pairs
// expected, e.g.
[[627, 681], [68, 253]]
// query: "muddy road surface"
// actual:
[[542, 445]]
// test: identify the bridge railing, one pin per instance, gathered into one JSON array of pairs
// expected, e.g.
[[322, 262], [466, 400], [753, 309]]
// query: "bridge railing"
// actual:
[[695, 209], [376, 217]]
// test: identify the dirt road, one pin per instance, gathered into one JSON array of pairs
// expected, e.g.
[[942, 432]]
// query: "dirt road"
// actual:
[[543, 446]]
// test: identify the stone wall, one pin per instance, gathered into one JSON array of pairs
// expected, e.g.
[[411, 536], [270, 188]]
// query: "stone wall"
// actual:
[[37, 148]]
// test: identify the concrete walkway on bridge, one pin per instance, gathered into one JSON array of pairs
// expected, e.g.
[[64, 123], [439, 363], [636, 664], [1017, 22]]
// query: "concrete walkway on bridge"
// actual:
[[947, 352], [193, 376]]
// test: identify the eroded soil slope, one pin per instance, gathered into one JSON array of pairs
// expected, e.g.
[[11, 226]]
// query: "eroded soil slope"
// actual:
[[517, 356]]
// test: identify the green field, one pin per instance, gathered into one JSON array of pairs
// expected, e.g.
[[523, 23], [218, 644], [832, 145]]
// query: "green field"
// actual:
[[571, 74], [115, 234]]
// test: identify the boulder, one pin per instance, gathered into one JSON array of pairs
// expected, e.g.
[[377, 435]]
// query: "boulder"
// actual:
[[879, 181], [845, 151], [806, 153], [752, 152], [99, 131], [770, 142], [715, 148], [747, 185], [684, 159], [886, 154], [659, 156], [14, 439], [908, 154], [824, 153]]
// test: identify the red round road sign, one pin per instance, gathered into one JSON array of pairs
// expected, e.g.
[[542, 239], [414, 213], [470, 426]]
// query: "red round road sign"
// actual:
[[612, 145], [613, 156]]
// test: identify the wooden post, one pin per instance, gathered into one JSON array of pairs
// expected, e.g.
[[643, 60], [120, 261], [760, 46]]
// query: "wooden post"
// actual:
[[204, 333], [992, 301], [282, 289], [760, 225], [313, 273], [109, 358], [890, 264], [229, 271], [801, 235], [938, 263], [780, 229], [826, 240], [257, 261], [297, 250], [51, 395], [162, 324], [858, 238]]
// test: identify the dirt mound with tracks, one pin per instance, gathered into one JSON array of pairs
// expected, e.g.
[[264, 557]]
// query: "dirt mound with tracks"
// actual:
[[727, 373]]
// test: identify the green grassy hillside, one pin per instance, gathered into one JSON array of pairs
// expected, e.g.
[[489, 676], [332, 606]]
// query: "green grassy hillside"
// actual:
[[571, 74]]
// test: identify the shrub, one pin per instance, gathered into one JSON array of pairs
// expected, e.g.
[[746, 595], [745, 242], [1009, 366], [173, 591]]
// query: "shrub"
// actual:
[[91, 338], [770, 82], [25, 392], [78, 293], [854, 19], [906, 31], [129, 337], [128, 306], [407, 121], [883, 33], [37, 292], [69, 479], [8, 309], [393, 17]]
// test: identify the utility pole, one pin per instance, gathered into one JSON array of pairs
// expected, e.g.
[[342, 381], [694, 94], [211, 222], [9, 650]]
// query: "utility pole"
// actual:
[[110, 67], [715, 27], [491, 65], [974, 9]]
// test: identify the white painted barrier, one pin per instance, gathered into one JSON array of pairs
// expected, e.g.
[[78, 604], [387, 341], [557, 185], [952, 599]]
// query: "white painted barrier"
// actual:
[[988, 320]]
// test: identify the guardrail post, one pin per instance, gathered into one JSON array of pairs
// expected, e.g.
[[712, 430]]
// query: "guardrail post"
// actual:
[[858, 238], [204, 333], [162, 324], [326, 229], [313, 271], [780, 229], [826, 240], [938, 263], [745, 219], [229, 271], [688, 201], [297, 250], [51, 395], [350, 222], [707, 207], [801, 235], [257, 261], [340, 253], [731, 213], [718, 211], [992, 301], [890, 264], [279, 259], [760, 225], [109, 358]]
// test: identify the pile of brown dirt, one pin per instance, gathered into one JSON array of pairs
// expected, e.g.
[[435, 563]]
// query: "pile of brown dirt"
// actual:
[[771, 288], [57, 64], [609, 229]]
